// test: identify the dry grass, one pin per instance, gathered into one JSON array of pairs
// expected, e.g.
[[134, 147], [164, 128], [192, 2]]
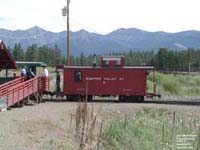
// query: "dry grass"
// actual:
[[86, 135]]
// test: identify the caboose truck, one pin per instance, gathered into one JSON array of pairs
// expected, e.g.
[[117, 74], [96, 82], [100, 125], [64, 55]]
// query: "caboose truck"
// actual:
[[111, 78]]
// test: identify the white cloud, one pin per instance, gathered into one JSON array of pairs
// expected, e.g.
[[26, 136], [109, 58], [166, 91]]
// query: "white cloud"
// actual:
[[103, 15]]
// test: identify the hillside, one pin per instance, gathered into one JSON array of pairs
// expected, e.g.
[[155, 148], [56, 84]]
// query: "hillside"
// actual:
[[89, 43]]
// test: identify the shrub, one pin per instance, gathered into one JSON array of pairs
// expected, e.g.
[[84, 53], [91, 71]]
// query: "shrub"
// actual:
[[197, 80], [175, 84], [195, 91], [149, 86], [171, 85], [154, 130], [157, 77]]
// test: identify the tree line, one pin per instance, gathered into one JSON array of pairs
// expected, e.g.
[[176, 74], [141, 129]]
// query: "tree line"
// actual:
[[51, 56], [163, 59], [166, 60]]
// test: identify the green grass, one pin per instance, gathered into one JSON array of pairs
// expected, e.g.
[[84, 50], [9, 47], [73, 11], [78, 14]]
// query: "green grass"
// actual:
[[150, 130], [175, 84]]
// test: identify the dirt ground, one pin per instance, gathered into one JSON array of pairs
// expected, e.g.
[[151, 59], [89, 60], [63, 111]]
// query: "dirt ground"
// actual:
[[41, 126]]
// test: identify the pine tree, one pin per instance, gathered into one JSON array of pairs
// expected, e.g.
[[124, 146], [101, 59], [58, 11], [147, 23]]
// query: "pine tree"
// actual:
[[82, 59], [18, 52], [57, 55], [32, 53]]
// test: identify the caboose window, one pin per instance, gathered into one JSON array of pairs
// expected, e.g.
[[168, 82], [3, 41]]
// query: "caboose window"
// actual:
[[78, 75]]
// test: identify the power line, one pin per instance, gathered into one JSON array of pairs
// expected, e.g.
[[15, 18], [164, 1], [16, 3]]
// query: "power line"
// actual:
[[84, 26]]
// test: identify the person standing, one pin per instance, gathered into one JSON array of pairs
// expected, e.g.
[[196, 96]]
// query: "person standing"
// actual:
[[45, 72], [30, 73], [94, 60], [45, 78], [24, 73], [14, 75], [58, 81]]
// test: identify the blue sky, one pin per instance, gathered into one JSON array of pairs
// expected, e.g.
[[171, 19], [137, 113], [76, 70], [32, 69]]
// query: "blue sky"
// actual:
[[102, 16]]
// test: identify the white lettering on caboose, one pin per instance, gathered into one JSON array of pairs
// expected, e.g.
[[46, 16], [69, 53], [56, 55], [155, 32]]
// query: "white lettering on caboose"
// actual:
[[105, 78], [93, 78], [110, 79]]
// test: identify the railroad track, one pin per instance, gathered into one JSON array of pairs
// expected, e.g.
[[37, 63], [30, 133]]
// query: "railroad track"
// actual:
[[169, 102]]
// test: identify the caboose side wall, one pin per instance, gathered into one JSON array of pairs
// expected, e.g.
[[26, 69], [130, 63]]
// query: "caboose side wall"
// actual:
[[105, 81]]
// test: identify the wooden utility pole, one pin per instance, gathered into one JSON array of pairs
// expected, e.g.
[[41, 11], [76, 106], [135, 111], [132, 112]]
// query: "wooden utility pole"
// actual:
[[68, 36]]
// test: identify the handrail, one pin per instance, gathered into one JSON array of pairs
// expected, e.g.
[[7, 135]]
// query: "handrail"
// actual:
[[5, 86], [43, 84], [18, 89], [21, 91]]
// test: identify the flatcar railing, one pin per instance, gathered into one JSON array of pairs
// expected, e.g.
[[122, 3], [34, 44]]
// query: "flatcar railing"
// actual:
[[21, 91], [43, 84], [18, 89], [5, 86]]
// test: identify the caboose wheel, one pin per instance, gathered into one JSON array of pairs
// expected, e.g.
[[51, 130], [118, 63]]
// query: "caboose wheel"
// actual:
[[72, 97], [89, 98], [69, 98], [140, 99], [122, 98]]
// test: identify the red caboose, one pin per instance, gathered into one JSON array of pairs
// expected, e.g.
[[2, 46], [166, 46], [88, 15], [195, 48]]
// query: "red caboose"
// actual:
[[112, 78]]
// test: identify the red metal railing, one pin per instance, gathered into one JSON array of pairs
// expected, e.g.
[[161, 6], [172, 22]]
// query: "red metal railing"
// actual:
[[4, 87], [43, 84], [18, 89], [21, 91]]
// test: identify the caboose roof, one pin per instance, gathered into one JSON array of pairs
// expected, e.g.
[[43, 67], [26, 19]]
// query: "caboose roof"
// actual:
[[124, 67], [112, 56]]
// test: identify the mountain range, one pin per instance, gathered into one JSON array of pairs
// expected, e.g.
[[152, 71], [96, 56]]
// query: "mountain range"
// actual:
[[90, 43]]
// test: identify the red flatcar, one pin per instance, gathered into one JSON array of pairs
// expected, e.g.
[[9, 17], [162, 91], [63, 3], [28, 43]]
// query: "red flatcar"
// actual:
[[112, 78]]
